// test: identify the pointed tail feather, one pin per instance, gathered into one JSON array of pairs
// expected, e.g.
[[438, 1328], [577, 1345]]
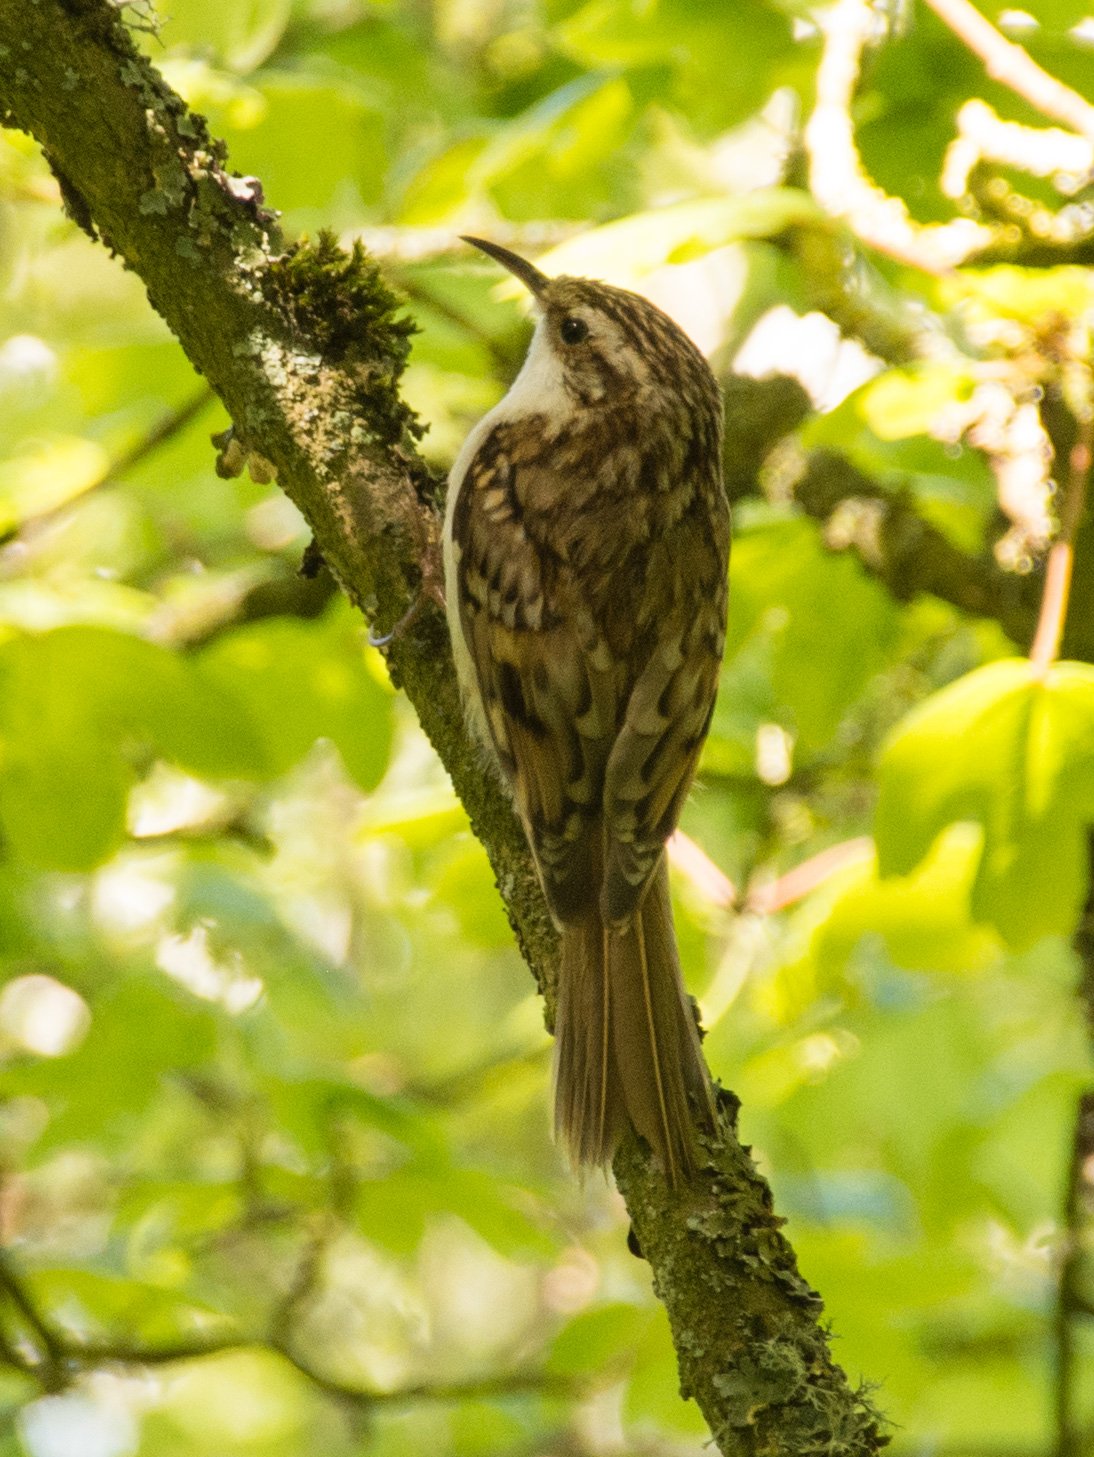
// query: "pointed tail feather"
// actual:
[[628, 1047]]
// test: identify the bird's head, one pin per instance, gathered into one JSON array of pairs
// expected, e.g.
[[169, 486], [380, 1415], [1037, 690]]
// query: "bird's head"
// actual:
[[601, 346]]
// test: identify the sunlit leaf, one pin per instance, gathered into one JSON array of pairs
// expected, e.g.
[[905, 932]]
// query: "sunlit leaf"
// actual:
[[923, 917], [242, 35], [75, 706], [632, 246], [792, 602], [51, 476], [1012, 749], [698, 44], [604, 1338], [128, 1072], [299, 685]]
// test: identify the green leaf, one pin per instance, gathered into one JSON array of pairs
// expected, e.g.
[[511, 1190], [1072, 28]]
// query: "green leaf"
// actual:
[[242, 1402], [564, 142], [284, 137], [299, 683], [923, 918], [143, 1032], [438, 190], [483, 1429], [627, 248], [1013, 750], [308, 1106], [1029, 295], [920, 922], [48, 476], [162, 1211], [496, 1211], [393, 1211], [896, 428], [809, 621], [242, 34], [73, 704], [594, 1339], [138, 1309], [701, 46], [909, 401]]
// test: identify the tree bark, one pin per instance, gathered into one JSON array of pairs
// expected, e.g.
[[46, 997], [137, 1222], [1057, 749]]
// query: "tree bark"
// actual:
[[302, 347]]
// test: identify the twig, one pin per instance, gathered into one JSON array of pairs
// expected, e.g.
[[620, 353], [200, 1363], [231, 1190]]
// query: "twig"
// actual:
[[983, 135], [906, 552], [695, 865], [809, 876], [283, 593], [10, 1355], [483, 1388], [303, 1285], [49, 1368], [165, 429], [765, 898], [502, 361], [80, 1357], [89, 1354], [1014, 67], [1061, 557], [417, 245], [837, 177], [70, 1357]]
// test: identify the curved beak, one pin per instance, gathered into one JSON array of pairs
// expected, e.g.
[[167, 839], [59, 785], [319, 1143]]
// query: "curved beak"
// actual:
[[528, 274]]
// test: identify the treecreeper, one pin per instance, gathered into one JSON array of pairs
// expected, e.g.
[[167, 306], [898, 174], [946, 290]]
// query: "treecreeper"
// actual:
[[586, 555]]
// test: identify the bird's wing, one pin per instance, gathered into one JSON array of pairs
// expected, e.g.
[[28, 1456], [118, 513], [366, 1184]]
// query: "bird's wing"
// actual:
[[668, 710], [549, 687]]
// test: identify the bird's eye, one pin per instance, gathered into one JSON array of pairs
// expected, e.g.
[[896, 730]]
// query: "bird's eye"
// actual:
[[573, 329]]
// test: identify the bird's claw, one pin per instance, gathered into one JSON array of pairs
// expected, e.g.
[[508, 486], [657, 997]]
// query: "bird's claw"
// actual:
[[431, 590]]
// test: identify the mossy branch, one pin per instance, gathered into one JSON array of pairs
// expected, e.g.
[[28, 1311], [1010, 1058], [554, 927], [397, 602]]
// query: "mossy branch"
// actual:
[[304, 346]]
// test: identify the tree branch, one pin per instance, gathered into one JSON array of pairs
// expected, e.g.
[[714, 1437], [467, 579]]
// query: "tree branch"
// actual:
[[1061, 556], [1014, 67], [908, 553], [46, 1365], [837, 177], [1023, 233], [879, 524], [302, 347], [164, 430], [73, 1358]]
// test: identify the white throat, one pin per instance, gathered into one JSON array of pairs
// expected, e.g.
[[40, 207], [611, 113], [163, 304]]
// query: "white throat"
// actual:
[[539, 388]]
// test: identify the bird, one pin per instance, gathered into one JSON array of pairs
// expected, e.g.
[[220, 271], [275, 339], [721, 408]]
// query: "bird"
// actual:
[[586, 554]]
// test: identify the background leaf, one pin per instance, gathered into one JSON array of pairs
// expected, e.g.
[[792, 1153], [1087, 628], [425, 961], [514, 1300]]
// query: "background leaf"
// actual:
[[1013, 750]]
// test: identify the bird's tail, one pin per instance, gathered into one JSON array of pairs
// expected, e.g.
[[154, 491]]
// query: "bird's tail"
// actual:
[[627, 1044]]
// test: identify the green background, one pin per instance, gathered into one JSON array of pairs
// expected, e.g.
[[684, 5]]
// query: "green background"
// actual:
[[272, 1074]]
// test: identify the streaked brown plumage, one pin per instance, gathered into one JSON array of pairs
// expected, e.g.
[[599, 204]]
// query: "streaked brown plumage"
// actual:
[[586, 551]]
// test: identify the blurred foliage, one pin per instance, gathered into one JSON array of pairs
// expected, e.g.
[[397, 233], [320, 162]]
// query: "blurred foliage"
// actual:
[[273, 1079]]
